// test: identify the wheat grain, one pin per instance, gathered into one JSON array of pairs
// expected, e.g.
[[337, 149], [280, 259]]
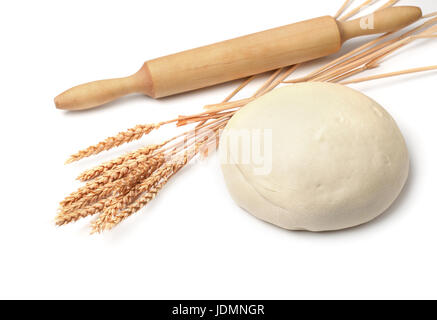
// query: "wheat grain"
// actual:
[[64, 218], [102, 186], [107, 166], [91, 204], [152, 189], [130, 135], [123, 201]]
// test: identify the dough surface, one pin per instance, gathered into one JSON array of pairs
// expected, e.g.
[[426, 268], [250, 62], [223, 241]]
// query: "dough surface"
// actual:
[[338, 158]]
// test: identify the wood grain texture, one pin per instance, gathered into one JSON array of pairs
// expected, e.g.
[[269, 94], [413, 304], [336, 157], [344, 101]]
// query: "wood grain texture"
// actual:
[[244, 56]]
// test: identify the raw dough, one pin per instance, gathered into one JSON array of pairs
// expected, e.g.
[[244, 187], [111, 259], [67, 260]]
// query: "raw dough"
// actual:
[[338, 158]]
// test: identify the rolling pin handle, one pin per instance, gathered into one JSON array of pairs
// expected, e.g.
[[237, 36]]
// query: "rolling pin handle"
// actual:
[[97, 93], [382, 21]]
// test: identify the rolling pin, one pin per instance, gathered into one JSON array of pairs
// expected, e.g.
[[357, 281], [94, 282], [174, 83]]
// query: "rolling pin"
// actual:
[[237, 58]]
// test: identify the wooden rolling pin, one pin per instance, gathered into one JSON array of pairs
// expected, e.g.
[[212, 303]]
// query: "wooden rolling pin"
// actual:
[[237, 58]]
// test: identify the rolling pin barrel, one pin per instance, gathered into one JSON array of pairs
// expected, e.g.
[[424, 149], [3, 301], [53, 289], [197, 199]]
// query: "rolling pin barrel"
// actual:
[[238, 58], [244, 56]]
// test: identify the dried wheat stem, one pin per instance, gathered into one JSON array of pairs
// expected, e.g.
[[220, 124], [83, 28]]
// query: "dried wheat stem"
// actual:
[[354, 55], [280, 79], [267, 83], [385, 44], [347, 57], [391, 74], [359, 57], [271, 83], [228, 98], [430, 15], [378, 54], [210, 122], [357, 10], [340, 11], [204, 123], [429, 31], [353, 72], [189, 141], [211, 146], [203, 118], [390, 3], [227, 105], [348, 72], [341, 59], [239, 88], [429, 22]]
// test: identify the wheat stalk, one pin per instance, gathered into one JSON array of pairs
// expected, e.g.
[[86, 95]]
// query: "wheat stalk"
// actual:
[[123, 137], [107, 166], [137, 170], [153, 187], [110, 212], [340, 11], [390, 74]]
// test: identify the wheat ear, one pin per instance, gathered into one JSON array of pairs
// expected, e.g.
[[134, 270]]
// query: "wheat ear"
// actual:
[[130, 135], [155, 186], [107, 166]]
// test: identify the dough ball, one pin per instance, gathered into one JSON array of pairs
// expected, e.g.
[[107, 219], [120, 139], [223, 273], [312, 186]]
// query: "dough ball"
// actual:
[[337, 158]]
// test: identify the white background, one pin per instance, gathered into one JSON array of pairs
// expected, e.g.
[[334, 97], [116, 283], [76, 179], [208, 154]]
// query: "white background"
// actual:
[[192, 242]]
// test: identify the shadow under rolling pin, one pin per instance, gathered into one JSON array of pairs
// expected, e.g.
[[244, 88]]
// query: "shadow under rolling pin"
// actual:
[[237, 58]]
